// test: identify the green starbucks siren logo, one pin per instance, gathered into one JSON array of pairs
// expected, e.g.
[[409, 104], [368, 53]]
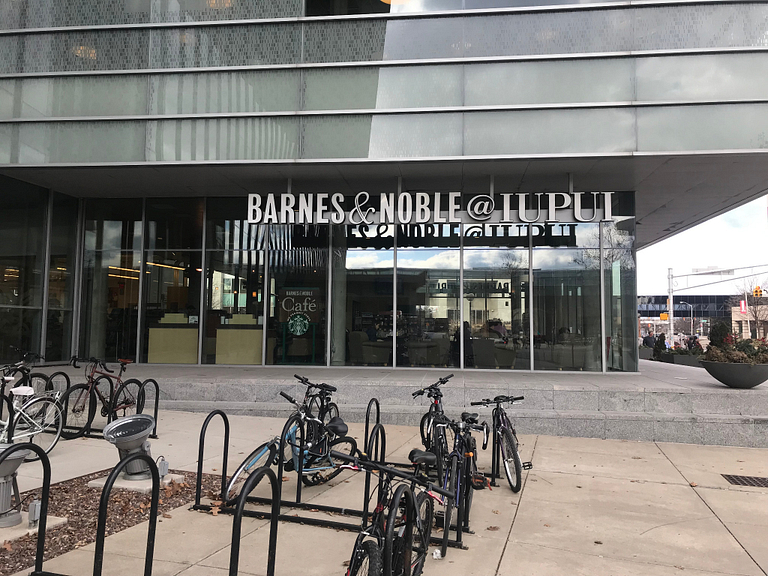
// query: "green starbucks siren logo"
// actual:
[[298, 324]]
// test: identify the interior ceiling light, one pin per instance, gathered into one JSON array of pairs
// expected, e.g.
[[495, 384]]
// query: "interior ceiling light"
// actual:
[[124, 269], [121, 276], [165, 266]]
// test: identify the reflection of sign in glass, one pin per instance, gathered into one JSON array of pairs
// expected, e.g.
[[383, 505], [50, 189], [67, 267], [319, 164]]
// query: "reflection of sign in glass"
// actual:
[[298, 324]]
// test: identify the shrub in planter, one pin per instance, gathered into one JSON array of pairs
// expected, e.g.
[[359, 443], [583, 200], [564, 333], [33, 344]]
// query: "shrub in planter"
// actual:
[[748, 359]]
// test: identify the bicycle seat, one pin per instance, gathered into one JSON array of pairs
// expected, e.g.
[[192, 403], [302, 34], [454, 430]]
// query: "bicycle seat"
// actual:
[[124, 361], [469, 417], [337, 426], [422, 457], [23, 391], [326, 387]]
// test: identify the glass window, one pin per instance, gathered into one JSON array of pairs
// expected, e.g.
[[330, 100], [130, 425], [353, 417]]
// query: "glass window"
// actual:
[[172, 307], [22, 264], [234, 310], [566, 309], [110, 308], [336, 7], [61, 276], [496, 301], [298, 284], [428, 307], [361, 320], [174, 223]]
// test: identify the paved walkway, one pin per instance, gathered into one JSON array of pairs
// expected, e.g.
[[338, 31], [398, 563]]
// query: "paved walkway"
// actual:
[[589, 507]]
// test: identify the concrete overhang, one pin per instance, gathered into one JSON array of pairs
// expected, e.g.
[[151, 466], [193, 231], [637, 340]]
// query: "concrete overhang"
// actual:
[[673, 192]]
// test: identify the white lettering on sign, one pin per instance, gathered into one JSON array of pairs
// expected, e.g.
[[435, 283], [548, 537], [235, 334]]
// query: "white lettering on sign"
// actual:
[[426, 208]]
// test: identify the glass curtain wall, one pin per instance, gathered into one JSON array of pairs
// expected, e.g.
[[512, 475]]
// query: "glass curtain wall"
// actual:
[[61, 278], [298, 286], [23, 216], [362, 294], [566, 296], [428, 314], [234, 282], [172, 274], [618, 240], [111, 276]]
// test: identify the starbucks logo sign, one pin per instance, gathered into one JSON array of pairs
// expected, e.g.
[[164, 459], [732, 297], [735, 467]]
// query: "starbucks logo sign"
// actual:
[[298, 324]]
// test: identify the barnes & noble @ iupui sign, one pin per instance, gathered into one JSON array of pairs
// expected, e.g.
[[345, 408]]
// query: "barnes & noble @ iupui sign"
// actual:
[[422, 208]]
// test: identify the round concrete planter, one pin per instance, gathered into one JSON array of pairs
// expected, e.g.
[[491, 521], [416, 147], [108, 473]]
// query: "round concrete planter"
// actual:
[[737, 375]]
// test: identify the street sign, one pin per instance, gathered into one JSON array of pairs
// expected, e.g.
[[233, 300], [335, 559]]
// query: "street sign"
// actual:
[[743, 306], [663, 316]]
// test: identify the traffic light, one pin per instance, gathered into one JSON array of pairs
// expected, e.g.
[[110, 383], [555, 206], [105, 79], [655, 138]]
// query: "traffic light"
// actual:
[[757, 292]]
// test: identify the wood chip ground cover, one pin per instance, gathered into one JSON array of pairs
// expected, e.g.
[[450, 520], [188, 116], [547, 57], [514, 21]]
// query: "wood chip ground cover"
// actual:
[[74, 500]]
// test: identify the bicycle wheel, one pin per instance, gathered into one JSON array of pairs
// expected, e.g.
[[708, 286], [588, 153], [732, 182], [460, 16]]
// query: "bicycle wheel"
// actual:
[[511, 460], [264, 455], [129, 399], [367, 561], [58, 382], [470, 466], [79, 407], [328, 469], [398, 542], [449, 485], [331, 412], [440, 450], [423, 531], [39, 421]]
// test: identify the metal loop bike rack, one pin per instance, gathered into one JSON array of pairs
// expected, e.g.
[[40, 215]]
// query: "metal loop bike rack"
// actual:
[[200, 454], [98, 560], [373, 402], [251, 483], [38, 571], [11, 418], [375, 449], [154, 383]]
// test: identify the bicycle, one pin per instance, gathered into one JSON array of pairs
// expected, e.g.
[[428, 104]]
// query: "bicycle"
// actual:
[[319, 403], [396, 540], [35, 419], [21, 374], [317, 466], [506, 441], [436, 441], [80, 401], [461, 475]]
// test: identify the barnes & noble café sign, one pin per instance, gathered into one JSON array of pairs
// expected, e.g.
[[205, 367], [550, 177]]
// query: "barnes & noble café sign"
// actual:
[[420, 208]]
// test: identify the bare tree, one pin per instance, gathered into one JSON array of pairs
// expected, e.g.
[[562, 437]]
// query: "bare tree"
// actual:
[[617, 247], [757, 307]]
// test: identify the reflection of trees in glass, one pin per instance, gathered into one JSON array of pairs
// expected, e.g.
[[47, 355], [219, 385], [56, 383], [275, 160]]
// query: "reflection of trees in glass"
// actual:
[[617, 247]]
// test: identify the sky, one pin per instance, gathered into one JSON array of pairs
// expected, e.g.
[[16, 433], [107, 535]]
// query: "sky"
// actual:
[[734, 239]]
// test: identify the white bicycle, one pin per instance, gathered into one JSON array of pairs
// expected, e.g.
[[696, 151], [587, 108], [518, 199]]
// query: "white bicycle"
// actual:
[[36, 419]]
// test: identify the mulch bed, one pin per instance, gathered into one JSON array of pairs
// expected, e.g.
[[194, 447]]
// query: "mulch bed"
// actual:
[[72, 499]]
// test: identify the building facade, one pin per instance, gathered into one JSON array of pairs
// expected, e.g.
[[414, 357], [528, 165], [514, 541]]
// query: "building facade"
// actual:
[[424, 183]]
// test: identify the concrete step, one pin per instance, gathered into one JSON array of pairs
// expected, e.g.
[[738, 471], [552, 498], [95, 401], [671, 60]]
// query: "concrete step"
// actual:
[[687, 428]]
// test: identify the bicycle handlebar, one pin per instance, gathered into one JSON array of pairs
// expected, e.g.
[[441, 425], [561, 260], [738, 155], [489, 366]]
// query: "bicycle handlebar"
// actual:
[[287, 397], [99, 363], [498, 400], [361, 462], [322, 386], [432, 388]]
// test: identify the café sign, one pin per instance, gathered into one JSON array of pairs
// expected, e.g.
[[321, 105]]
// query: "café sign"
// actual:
[[425, 208]]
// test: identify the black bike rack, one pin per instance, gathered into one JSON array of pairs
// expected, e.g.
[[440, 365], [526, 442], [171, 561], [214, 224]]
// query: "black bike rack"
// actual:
[[372, 403], [144, 384], [200, 454], [297, 503], [98, 560], [11, 417], [250, 484], [38, 571], [375, 447]]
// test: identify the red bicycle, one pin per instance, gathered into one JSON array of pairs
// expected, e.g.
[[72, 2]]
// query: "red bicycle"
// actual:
[[116, 397]]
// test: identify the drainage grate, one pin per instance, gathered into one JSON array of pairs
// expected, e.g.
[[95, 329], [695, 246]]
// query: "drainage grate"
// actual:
[[755, 481]]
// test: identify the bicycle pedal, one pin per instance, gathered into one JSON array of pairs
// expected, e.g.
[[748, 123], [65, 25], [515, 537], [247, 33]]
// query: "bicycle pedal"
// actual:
[[527, 465]]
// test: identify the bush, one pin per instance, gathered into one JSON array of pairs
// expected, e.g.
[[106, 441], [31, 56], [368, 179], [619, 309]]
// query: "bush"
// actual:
[[719, 335]]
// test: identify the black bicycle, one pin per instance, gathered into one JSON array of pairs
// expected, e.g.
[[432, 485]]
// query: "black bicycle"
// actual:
[[506, 440], [395, 541], [317, 465], [461, 474], [318, 400], [437, 441]]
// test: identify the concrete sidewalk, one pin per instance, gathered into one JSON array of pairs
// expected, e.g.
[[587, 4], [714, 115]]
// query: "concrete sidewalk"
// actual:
[[589, 506]]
